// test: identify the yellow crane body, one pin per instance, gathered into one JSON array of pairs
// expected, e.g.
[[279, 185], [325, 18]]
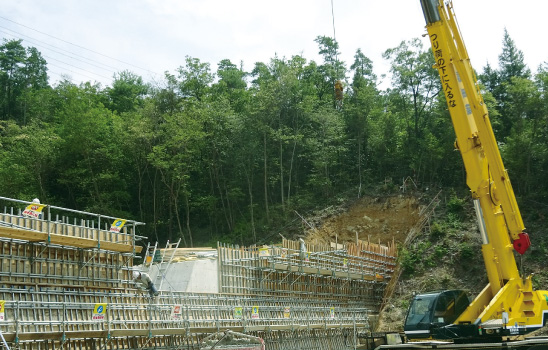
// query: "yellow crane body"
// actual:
[[508, 299]]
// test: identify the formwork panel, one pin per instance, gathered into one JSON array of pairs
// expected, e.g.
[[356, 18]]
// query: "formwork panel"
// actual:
[[56, 274]]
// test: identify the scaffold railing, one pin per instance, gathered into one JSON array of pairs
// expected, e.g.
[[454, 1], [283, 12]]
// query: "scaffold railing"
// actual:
[[121, 314], [66, 283], [357, 272], [52, 224]]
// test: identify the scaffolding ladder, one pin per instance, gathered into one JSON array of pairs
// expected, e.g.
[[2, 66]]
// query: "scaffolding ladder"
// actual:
[[167, 257], [150, 253]]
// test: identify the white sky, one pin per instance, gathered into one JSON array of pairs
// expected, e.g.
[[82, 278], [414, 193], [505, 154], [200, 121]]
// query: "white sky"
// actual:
[[150, 37]]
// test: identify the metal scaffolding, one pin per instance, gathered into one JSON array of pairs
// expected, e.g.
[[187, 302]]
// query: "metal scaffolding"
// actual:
[[355, 272], [66, 284]]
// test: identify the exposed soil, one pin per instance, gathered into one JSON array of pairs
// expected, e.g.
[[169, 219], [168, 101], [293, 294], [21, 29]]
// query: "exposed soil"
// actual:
[[451, 259], [384, 219], [388, 218], [375, 218]]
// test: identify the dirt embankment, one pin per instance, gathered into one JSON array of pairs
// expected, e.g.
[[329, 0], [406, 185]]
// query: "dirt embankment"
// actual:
[[375, 218], [378, 219]]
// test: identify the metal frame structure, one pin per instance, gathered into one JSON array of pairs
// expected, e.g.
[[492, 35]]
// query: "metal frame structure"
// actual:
[[55, 274], [355, 272]]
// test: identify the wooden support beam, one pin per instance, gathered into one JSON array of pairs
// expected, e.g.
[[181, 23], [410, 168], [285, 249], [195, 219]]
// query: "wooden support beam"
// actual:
[[26, 336], [53, 238]]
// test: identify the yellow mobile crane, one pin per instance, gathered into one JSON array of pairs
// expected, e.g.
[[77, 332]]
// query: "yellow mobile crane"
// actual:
[[508, 305]]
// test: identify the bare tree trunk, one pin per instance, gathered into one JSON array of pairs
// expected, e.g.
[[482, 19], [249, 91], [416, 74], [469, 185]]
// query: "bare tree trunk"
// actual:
[[265, 179], [282, 174], [249, 177], [226, 210], [291, 169], [187, 211], [211, 213], [359, 164], [154, 212], [93, 179], [170, 220], [179, 226], [175, 200], [228, 203]]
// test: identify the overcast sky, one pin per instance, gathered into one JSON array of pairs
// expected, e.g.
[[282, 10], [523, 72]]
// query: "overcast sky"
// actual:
[[90, 40]]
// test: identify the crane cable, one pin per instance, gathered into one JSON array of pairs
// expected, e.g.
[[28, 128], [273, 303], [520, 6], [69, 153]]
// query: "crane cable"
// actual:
[[338, 83], [333, 19]]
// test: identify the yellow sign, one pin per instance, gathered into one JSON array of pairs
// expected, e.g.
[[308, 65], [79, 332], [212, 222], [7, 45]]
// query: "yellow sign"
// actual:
[[287, 312], [33, 210], [99, 312], [2, 305], [238, 312], [264, 251], [255, 313], [117, 225]]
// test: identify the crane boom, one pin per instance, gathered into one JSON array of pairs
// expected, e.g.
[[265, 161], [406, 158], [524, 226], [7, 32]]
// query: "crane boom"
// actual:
[[472, 105], [486, 176], [507, 299]]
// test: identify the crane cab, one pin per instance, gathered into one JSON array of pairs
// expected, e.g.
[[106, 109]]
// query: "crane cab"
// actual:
[[433, 310]]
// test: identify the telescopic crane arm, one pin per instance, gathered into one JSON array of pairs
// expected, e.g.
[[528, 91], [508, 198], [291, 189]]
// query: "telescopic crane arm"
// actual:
[[466, 103], [501, 225]]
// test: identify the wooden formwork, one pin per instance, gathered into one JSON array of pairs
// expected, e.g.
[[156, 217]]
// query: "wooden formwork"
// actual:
[[55, 274], [79, 233], [356, 272], [41, 264]]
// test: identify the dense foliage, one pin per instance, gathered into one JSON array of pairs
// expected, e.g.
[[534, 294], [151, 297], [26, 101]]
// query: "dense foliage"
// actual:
[[235, 156]]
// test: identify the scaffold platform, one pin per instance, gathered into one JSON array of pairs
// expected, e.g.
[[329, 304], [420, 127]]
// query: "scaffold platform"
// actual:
[[66, 283]]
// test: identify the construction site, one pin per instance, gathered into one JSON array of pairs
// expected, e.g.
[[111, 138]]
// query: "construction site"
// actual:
[[67, 283]]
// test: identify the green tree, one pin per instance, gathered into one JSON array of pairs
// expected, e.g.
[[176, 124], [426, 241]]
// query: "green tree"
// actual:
[[35, 71], [127, 92], [263, 111], [22, 72], [415, 87], [176, 157], [12, 61], [332, 69], [224, 188], [499, 82], [363, 101], [89, 171], [414, 82], [195, 78], [326, 144], [525, 148], [232, 85], [27, 159], [283, 103], [511, 60]]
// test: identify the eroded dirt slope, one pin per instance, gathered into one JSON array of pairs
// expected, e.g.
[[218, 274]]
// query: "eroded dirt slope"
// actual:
[[374, 218]]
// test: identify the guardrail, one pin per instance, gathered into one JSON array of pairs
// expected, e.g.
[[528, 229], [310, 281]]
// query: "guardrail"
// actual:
[[120, 314], [53, 225]]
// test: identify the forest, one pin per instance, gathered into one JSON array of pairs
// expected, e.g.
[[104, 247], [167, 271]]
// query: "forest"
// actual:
[[237, 156]]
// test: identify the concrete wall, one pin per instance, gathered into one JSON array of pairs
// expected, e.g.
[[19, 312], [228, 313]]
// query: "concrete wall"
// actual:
[[200, 276]]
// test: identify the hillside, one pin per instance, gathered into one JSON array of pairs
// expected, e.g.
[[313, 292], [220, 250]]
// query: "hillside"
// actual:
[[374, 218], [225, 154], [445, 255]]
